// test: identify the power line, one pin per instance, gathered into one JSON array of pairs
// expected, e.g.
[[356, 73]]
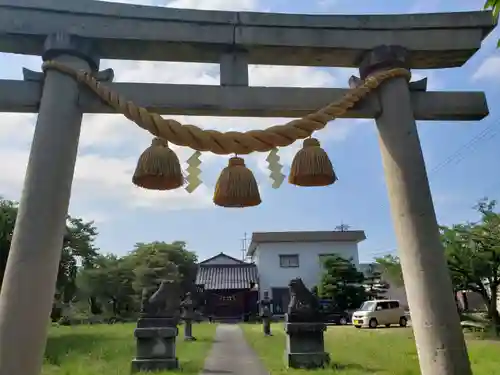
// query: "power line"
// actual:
[[458, 156], [487, 134]]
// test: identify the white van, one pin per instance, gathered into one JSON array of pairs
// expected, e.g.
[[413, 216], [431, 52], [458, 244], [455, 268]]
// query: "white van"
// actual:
[[379, 312]]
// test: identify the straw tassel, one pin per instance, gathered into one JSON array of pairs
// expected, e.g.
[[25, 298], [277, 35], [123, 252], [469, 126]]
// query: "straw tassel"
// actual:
[[236, 186], [311, 166], [158, 168]]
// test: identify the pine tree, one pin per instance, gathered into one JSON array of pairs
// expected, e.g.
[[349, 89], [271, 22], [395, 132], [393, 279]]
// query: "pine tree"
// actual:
[[375, 286], [342, 283]]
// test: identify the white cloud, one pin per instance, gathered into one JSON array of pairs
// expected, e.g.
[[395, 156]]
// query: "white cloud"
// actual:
[[110, 144], [113, 143], [488, 70], [234, 5]]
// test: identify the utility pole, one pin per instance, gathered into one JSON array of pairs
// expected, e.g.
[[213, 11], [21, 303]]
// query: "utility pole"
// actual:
[[244, 247]]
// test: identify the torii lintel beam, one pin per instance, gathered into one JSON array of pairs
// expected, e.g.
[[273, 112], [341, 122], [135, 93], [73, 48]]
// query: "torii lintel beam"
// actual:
[[171, 99], [133, 32]]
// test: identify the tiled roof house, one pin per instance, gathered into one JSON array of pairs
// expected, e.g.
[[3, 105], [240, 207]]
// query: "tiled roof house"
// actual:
[[230, 286]]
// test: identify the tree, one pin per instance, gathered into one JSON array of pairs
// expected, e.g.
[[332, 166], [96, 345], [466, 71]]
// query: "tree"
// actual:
[[390, 266], [151, 263], [78, 248], [114, 284], [473, 254], [494, 5], [375, 286], [8, 214], [342, 283], [315, 291], [107, 285]]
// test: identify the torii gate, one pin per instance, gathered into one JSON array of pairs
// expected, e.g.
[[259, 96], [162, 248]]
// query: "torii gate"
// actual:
[[77, 34]]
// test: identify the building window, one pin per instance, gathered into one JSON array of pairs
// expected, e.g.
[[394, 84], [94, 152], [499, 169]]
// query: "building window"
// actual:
[[289, 261]]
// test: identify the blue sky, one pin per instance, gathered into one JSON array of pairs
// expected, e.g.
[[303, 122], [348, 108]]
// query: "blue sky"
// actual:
[[461, 157]]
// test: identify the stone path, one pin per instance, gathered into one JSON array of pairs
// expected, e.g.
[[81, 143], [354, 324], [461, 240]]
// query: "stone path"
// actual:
[[230, 354]]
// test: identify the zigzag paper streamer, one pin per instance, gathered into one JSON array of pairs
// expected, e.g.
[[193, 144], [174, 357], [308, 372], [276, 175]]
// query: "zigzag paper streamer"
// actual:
[[275, 167], [194, 172]]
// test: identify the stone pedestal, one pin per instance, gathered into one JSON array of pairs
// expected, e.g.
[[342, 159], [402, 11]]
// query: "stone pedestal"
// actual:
[[266, 325], [188, 330], [155, 345], [188, 314], [305, 346]]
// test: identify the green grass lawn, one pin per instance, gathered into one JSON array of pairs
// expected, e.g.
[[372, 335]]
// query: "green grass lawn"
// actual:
[[108, 349], [384, 351]]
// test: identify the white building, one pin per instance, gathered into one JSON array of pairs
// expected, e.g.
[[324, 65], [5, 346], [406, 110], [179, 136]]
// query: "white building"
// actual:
[[282, 256]]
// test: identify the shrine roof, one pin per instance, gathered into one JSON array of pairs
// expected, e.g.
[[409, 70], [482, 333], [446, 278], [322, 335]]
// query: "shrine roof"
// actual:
[[234, 276], [221, 259]]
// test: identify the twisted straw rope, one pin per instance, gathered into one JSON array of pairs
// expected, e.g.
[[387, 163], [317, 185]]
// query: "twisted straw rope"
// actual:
[[229, 142]]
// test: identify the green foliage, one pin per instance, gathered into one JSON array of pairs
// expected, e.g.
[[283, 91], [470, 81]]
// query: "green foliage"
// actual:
[[108, 286], [78, 247], [108, 349], [342, 283], [391, 267], [115, 283], [8, 213], [379, 351], [156, 261], [105, 284], [473, 254], [494, 5]]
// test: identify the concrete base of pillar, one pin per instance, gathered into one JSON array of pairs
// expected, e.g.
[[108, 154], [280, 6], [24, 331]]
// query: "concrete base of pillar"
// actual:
[[153, 365], [307, 360], [155, 350], [305, 346]]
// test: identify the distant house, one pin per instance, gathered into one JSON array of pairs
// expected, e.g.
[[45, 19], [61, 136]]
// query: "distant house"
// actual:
[[282, 256], [466, 300], [229, 286]]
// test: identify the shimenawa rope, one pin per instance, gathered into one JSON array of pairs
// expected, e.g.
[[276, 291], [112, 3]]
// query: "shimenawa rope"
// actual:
[[232, 142]]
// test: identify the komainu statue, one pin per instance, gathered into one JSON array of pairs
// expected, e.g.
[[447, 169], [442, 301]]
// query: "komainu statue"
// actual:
[[304, 306], [164, 302]]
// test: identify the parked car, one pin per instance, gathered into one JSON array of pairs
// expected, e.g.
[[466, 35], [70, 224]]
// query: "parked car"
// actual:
[[333, 315], [379, 312], [337, 317]]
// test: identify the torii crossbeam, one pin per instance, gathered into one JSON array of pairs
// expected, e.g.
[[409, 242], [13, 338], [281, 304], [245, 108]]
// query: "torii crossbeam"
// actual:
[[79, 34]]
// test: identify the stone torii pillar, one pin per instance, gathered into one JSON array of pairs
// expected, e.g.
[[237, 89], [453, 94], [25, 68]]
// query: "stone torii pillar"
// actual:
[[436, 324], [30, 277]]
